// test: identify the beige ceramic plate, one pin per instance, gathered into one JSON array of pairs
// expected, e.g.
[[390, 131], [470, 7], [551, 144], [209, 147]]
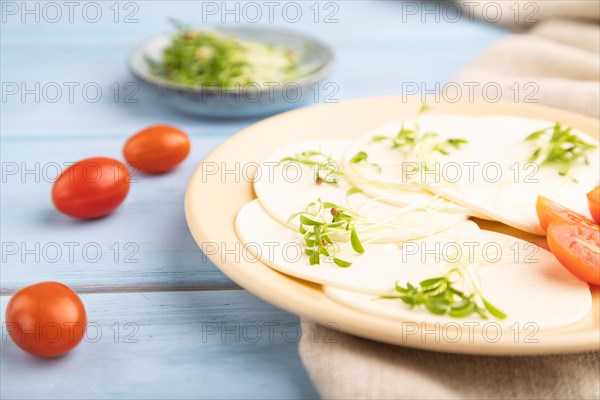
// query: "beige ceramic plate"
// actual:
[[222, 185]]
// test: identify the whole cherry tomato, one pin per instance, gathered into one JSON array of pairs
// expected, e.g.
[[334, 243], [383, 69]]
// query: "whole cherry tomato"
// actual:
[[46, 319], [157, 149], [91, 188]]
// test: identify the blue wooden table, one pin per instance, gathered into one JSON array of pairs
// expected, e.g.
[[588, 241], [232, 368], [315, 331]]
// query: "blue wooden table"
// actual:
[[164, 322]]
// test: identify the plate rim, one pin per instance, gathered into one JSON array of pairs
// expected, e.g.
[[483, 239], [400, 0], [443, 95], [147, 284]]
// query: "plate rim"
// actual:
[[309, 301]]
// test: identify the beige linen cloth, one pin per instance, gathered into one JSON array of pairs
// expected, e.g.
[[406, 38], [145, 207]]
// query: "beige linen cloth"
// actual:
[[561, 56]]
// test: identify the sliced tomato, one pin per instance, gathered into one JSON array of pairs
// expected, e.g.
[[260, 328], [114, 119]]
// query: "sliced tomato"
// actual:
[[550, 211], [577, 247], [594, 203]]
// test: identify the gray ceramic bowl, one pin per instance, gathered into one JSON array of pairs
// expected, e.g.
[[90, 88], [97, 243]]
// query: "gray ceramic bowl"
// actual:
[[315, 58]]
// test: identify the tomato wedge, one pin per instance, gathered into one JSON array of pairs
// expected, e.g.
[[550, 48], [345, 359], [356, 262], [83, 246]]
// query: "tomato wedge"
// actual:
[[550, 211], [594, 203], [577, 247]]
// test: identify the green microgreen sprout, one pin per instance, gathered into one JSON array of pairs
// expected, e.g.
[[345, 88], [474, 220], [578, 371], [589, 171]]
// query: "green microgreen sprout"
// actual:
[[440, 296], [456, 293], [422, 145], [321, 222], [559, 147], [363, 158], [326, 169], [217, 60], [328, 228]]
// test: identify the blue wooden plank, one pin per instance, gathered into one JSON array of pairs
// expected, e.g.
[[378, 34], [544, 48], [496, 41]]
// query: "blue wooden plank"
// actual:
[[177, 345], [370, 62], [144, 245], [369, 70]]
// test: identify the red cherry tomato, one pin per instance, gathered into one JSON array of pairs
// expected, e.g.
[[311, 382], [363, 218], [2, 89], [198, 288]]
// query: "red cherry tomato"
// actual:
[[46, 319], [549, 211], [91, 188], [157, 149], [594, 203], [577, 247]]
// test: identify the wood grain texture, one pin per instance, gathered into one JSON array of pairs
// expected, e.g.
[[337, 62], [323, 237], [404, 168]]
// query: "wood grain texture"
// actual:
[[378, 47], [144, 245], [168, 345]]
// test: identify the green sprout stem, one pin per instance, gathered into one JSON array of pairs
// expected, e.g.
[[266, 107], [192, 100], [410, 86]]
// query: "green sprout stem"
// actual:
[[421, 145], [456, 293], [559, 147]]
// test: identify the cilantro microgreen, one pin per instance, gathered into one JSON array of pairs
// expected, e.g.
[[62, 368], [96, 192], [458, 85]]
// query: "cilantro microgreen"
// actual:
[[559, 147], [326, 169], [442, 296], [214, 60], [320, 221], [423, 145], [363, 158]]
